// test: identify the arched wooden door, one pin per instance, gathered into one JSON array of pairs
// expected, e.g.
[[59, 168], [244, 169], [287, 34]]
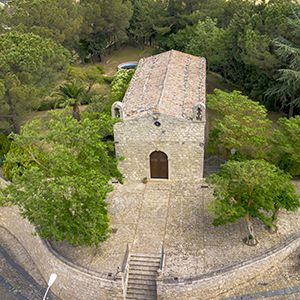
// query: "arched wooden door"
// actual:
[[159, 165]]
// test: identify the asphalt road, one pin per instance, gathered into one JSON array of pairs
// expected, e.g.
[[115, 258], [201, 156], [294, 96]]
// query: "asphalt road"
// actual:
[[16, 283]]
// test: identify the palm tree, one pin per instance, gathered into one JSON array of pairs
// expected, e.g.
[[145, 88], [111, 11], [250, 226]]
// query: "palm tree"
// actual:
[[288, 81], [70, 94]]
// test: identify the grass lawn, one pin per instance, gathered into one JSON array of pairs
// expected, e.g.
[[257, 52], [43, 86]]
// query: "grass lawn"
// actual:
[[129, 53], [215, 81]]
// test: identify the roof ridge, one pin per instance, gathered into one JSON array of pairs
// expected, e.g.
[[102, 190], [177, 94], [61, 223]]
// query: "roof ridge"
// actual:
[[164, 81]]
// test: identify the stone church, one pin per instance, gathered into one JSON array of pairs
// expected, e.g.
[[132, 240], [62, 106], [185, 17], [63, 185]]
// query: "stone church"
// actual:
[[163, 117]]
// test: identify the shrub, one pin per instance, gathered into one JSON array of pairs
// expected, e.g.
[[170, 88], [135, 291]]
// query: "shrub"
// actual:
[[4, 146]]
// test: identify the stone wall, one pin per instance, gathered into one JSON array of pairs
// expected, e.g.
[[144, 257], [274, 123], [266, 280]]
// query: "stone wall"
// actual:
[[73, 282], [209, 286], [180, 139]]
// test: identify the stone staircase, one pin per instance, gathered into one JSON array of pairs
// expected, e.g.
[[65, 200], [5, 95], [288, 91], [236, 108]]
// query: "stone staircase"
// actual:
[[142, 276]]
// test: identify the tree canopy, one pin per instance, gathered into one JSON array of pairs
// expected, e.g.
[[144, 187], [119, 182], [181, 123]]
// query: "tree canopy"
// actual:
[[287, 86], [285, 143], [251, 189], [60, 171], [59, 20], [105, 24], [239, 123], [29, 66]]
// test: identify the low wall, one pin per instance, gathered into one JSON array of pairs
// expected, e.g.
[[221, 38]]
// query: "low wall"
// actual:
[[78, 283], [73, 282], [210, 285]]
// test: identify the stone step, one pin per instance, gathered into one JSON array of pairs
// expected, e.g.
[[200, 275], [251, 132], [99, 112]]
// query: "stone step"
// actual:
[[142, 255], [142, 276], [143, 263], [143, 271], [140, 297], [141, 287], [143, 268], [144, 258], [139, 280], [136, 291]]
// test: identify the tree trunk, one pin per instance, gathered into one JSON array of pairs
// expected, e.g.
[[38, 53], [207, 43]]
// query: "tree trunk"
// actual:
[[291, 110], [90, 87], [250, 240], [76, 112], [273, 228], [14, 118], [275, 214]]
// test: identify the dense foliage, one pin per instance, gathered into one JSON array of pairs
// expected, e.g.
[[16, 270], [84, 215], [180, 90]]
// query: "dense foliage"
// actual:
[[4, 146], [29, 66], [60, 173], [104, 26], [70, 94], [287, 87], [251, 189], [119, 84], [254, 44], [239, 123], [60, 20], [238, 38], [285, 143]]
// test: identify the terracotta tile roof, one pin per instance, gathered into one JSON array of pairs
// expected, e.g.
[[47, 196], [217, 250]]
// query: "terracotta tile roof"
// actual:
[[170, 83]]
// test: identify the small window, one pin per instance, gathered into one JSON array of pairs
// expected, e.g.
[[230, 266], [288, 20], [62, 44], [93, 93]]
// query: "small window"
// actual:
[[117, 112], [199, 114]]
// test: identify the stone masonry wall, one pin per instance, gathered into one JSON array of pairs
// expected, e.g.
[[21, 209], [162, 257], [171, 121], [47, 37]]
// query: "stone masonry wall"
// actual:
[[73, 283], [210, 286], [181, 140]]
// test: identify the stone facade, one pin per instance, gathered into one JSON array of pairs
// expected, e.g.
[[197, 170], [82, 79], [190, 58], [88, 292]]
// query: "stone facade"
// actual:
[[181, 140], [163, 110]]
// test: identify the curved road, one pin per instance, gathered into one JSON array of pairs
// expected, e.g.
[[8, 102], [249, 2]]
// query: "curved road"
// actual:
[[15, 282]]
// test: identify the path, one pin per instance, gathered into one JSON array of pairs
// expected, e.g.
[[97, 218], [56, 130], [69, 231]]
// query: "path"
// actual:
[[289, 293], [153, 215]]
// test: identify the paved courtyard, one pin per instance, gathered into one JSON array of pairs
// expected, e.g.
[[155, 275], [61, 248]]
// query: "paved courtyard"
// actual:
[[175, 214]]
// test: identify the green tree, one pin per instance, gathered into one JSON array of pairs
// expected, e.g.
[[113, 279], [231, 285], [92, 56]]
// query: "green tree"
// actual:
[[285, 143], [149, 21], [70, 94], [239, 123], [207, 40], [59, 20], [287, 88], [120, 84], [29, 67], [88, 76], [4, 146], [105, 24], [60, 177], [250, 190]]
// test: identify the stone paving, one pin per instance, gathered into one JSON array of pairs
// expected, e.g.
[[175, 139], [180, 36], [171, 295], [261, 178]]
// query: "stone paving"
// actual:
[[145, 215]]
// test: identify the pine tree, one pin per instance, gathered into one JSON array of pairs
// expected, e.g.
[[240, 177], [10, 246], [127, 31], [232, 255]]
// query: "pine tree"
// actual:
[[288, 81]]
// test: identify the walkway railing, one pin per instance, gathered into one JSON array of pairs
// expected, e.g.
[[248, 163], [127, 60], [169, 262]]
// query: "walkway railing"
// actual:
[[125, 270], [162, 258]]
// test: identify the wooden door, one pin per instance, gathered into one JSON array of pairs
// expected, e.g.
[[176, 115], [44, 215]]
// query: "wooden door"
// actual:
[[159, 165]]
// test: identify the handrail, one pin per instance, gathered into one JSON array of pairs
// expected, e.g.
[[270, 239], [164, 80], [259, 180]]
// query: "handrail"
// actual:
[[125, 259], [125, 271], [162, 258]]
